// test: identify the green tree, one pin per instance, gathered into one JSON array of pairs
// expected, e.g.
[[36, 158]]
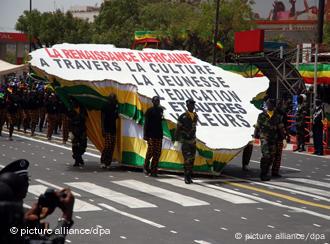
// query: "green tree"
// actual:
[[326, 31], [54, 27]]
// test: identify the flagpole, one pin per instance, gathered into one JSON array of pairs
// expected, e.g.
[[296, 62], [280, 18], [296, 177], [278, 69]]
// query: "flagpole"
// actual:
[[216, 30], [30, 32]]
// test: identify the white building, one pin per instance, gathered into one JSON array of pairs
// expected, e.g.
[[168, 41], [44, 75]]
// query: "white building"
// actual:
[[85, 12]]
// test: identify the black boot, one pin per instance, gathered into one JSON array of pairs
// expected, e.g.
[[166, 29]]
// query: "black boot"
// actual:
[[146, 169], [264, 168], [187, 177]]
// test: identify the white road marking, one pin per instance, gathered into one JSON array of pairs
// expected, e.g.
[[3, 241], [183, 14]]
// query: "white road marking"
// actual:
[[223, 228], [207, 191], [161, 193], [173, 231], [78, 217], [286, 215], [55, 145], [123, 237], [26, 206], [317, 225], [244, 218], [196, 220], [270, 226], [259, 199], [217, 210], [303, 188], [55, 186], [312, 182], [131, 216], [293, 192], [283, 167], [2, 166], [111, 195], [79, 205], [202, 242]]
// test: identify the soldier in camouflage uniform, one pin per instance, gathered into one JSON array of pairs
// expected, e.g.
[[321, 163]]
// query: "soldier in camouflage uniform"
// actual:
[[34, 104], [301, 124], [78, 129], [153, 134], [269, 129], [109, 116], [12, 105], [186, 134]]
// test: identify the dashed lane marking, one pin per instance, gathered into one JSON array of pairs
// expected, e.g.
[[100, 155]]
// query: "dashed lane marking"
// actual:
[[149, 222]]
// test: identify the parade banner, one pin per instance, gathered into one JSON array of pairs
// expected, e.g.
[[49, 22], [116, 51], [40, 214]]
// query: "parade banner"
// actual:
[[90, 72]]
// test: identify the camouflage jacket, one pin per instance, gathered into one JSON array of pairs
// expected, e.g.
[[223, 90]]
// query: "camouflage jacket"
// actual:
[[269, 128], [186, 128]]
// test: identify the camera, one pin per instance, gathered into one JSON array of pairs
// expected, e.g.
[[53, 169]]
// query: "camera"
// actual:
[[50, 198]]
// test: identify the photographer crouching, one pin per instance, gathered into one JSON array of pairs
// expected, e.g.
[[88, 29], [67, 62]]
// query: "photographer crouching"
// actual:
[[27, 226]]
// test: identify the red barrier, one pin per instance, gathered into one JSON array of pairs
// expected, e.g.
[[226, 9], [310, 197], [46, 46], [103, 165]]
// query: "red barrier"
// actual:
[[308, 129]]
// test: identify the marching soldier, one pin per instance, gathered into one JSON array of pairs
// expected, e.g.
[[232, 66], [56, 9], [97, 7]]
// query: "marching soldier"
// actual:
[[281, 110], [269, 129], [153, 134], [42, 109], [12, 104], [109, 115], [52, 110], [65, 122], [186, 134], [25, 107], [34, 104], [78, 129]]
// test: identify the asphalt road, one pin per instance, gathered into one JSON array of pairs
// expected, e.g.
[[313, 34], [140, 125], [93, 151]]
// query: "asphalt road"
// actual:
[[124, 206]]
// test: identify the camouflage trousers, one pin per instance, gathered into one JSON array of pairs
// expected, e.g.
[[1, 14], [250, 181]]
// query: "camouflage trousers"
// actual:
[[65, 127], [278, 158], [188, 152], [79, 145], [19, 118], [12, 120], [109, 147], [34, 116], [26, 119], [52, 122], [153, 153], [268, 150], [42, 115]]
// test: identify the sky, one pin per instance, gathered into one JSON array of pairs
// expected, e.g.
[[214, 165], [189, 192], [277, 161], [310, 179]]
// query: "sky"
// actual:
[[10, 10]]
